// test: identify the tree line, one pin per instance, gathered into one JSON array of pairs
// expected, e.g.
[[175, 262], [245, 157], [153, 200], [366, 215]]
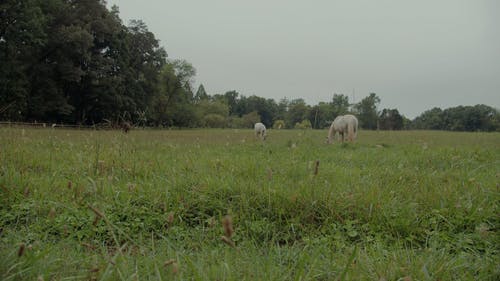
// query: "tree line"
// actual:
[[75, 62]]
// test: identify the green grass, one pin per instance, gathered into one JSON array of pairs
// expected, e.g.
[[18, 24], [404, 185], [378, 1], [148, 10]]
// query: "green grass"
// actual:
[[411, 205]]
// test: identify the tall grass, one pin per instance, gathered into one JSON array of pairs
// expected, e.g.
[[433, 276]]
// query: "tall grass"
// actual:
[[103, 205]]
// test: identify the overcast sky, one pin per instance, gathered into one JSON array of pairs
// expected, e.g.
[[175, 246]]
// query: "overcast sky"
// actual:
[[415, 55]]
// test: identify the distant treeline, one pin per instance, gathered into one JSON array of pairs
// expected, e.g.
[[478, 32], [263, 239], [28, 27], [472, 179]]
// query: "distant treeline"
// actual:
[[461, 118], [75, 62]]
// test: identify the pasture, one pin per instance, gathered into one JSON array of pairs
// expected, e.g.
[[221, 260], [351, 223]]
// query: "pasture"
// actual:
[[149, 205]]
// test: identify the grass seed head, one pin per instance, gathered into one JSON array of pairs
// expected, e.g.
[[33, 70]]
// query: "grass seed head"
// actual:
[[26, 192], [211, 222], [131, 187], [269, 174], [52, 213], [170, 218], [227, 224], [20, 252], [175, 268], [96, 220], [101, 165]]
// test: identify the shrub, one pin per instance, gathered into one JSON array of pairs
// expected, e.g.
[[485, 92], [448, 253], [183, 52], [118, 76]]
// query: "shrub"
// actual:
[[305, 124], [279, 124], [214, 121]]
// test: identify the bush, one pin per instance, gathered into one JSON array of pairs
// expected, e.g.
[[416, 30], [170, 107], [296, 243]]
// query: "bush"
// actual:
[[235, 122], [305, 124], [214, 121], [279, 124]]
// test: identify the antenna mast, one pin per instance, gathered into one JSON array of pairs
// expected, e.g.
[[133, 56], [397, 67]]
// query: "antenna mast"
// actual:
[[353, 98]]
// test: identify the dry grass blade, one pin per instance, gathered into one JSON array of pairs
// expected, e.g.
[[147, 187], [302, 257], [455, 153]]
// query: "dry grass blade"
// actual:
[[96, 211], [175, 268], [228, 241], [88, 246], [316, 167], [168, 262]]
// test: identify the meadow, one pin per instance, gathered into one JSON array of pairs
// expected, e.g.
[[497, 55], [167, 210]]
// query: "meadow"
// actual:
[[221, 205]]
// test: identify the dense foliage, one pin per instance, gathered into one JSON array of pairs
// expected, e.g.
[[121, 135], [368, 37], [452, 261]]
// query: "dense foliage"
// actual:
[[76, 62], [461, 118]]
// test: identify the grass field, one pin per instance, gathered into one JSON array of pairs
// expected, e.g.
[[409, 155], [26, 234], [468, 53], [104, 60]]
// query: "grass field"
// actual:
[[149, 205]]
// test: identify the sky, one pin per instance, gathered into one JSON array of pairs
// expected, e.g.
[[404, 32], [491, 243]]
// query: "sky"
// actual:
[[415, 55]]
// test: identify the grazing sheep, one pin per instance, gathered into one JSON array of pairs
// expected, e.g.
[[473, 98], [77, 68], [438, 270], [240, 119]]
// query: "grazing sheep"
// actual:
[[343, 124], [260, 131]]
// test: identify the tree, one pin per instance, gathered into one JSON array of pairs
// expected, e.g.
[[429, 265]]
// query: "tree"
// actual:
[[282, 109], [367, 113], [95, 86], [265, 108], [390, 119], [201, 94], [232, 101], [185, 72], [74, 61], [173, 104], [212, 113], [305, 124], [460, 118], [23, 34], [321, 115], [470, 118], [298, 110], [340, 105], [431, 119], [250, 119]]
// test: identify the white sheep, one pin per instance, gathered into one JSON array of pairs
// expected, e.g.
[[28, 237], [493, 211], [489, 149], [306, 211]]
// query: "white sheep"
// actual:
[[260, 131], [343, 124]]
